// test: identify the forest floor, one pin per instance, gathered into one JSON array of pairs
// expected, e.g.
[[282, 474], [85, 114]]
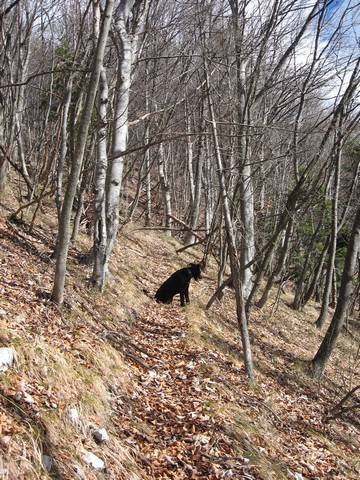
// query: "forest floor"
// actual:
[[167, 383]]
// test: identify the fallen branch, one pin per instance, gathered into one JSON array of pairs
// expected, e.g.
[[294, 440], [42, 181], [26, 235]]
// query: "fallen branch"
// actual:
[[179, 250], [189, 229], [137, 360], [216, 294], [339, 410], [16, 167], [124, 340], [161, 228]]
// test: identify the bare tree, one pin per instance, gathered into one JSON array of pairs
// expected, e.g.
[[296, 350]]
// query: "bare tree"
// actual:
[[130, 17], [231, 241], [100, 233], [333, 236], [16, 30], [64, 228], [165, 186], [327, 345]]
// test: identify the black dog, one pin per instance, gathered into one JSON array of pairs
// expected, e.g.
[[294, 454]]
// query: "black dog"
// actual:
[[179, 283]]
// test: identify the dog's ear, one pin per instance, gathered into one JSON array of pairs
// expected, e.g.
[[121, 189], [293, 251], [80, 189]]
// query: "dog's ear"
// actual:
[[196, 270]]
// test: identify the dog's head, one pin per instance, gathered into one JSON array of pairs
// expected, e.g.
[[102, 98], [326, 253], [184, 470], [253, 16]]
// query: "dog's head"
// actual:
[[195, 270]]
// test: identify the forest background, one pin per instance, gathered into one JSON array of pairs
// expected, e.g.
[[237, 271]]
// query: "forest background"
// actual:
[[230, 124]]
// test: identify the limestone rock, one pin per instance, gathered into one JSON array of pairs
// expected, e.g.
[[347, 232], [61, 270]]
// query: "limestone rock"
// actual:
[[7, 358], [93, 461], [100, 435]]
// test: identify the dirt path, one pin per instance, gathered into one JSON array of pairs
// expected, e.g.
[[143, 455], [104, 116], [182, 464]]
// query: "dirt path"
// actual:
[[187, 411], [175, 399]]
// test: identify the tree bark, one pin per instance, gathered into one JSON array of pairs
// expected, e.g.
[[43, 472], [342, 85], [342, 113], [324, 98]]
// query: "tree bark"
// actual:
[[196, 180], [148, 209], [4, 164], [327, 345], [281, 264], [231, 239], [100, 232], [63, 147], [64, 228], [131, 16], [298, 301], [317, 272], [332, 249], [165, 189], [245, 174]]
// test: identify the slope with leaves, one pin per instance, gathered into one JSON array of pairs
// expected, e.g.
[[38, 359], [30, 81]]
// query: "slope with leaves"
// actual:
[[167, 383]]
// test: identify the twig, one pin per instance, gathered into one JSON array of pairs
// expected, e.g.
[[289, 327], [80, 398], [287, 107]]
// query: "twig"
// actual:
[[126, 341], [183, 224], [137, 360], [216, 294], [338, 410]]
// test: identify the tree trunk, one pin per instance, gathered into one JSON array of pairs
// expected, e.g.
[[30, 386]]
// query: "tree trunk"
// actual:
[[298, 301], [148, 212], [4, 164], [64, 227], [231, 239], [119, 140], [246, 181], [264, 266], [100, 232], [197, 181], [281, 263], [223, 254], [130, 20], [209, 192], [332, 250], [63, 148], [320, 360], [190, 154], [166, 190], [317, 272]]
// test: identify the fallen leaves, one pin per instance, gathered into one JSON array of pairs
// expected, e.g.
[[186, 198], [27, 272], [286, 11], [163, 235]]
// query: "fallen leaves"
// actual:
[[189, 412], [176, 400]]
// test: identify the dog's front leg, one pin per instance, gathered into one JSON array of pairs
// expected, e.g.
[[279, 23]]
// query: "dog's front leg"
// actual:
[[186, 293], [182, 299]]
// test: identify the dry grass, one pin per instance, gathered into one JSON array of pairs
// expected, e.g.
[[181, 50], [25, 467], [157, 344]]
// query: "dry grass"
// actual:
[[78, 358]]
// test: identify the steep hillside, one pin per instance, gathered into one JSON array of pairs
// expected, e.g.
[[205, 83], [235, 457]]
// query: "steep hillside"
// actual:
[[167, 383]]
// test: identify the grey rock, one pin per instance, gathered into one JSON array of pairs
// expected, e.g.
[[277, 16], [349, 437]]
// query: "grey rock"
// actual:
[[47, 462], [100, 435], [93, 461], [7, 358]]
